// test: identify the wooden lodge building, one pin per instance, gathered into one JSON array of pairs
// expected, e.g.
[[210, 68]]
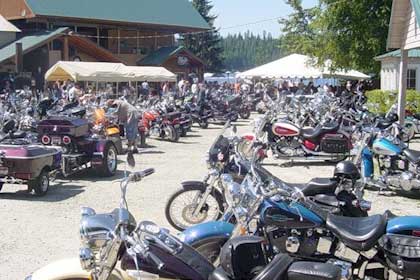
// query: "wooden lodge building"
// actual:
[[134, 32]]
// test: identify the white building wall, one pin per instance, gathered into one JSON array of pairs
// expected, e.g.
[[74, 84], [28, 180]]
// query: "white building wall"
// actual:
[[411, 36], [390, 73]]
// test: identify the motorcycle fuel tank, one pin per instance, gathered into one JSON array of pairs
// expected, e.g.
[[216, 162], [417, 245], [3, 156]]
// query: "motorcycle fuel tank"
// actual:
[[385, 147], [285, 129]]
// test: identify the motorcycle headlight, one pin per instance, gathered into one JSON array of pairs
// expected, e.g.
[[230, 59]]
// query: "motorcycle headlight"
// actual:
[[232, 190]]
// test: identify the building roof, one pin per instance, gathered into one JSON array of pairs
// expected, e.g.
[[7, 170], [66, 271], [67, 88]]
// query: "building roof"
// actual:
[[161, 55], [6, 26], [178, 13], [31, 42], [397, 53]]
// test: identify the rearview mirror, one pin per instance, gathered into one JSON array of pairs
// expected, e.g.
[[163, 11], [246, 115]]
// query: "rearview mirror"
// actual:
[[130, 159]]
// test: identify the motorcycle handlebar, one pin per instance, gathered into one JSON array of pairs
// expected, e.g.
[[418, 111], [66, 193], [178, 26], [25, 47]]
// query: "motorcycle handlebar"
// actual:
[[137, 176]]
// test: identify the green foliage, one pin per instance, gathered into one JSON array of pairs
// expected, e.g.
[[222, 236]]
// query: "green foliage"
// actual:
[[350, 33], [380, 101], [206, 46], [245, 51]]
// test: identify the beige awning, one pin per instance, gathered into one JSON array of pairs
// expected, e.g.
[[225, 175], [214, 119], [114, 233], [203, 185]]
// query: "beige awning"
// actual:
[[106, 72]]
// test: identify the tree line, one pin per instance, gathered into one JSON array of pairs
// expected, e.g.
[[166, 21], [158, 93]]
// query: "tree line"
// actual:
[[244, 51]]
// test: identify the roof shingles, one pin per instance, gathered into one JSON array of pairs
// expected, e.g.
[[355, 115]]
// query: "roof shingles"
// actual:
[[179, 13]]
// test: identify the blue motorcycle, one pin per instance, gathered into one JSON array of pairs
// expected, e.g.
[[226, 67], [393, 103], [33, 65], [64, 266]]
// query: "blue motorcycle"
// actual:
[[398, 166], [379, 246]]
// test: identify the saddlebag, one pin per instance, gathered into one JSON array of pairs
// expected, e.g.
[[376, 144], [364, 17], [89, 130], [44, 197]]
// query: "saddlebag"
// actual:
[[402, 254], [313, 271], [335, 144], [243, 257]]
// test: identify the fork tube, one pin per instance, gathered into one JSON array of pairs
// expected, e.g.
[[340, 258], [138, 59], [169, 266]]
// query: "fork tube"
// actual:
[[204, 197]]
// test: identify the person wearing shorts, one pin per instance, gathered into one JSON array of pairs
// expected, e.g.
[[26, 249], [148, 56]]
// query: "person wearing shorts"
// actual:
[[129, 117]]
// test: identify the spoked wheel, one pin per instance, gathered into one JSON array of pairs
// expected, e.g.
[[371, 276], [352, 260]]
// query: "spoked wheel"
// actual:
[[180, 208], [171, 133]]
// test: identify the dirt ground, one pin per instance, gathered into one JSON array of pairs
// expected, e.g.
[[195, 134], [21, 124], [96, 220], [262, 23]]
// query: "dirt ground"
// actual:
[[35, 231]]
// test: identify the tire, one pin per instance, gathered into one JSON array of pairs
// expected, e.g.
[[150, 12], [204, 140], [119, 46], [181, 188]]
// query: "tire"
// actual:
[[109, 163], [210, 248], [245, 114], [204, 124], [171, 133], [41, 184], [142, 136], [184, 222], [183, 132]]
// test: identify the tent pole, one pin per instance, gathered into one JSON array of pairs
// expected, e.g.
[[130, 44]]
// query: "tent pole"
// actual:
[[117, 91], [402, 88]]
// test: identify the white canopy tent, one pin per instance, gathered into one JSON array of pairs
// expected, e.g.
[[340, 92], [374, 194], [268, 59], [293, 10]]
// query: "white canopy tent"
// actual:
[[107, 72], [298, 66]]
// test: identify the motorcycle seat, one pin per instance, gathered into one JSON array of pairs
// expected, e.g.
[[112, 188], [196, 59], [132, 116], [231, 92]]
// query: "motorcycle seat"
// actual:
[[412, 155], [313, 271], [173, 115], [319, 186], [313, 133], [358, 233]]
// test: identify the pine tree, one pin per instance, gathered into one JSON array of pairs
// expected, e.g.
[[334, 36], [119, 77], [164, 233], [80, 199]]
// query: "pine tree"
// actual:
[[207, 46]]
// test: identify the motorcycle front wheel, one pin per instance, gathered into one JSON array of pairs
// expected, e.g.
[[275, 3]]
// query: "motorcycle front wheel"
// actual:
[[180, 208]]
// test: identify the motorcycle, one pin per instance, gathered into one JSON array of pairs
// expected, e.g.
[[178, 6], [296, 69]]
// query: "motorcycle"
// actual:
[[380, 246], [398, 165], [115, 247], [200, 201], [288, 141], [162, 126]]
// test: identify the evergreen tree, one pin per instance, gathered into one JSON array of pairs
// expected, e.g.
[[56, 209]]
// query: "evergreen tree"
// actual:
[[206, 46]]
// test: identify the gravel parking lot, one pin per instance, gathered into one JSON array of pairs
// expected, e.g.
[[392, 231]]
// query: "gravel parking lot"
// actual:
[[38, 230]]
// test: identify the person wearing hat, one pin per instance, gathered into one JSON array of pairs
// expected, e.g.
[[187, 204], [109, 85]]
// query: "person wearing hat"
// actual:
[[129, 117]]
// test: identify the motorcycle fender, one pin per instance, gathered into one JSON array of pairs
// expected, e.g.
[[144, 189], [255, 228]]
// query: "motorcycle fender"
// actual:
[[205, 231], [70, 269], [194, 184]]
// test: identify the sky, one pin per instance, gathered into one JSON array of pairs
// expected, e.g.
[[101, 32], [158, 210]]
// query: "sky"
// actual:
[[239, 12]]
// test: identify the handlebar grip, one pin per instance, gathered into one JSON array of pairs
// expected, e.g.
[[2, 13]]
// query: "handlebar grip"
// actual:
[[155, 260], [147, 172]]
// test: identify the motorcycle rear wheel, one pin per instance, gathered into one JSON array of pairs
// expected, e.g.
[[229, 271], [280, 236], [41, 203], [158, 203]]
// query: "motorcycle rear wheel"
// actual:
[[172, 133], [186, 218]]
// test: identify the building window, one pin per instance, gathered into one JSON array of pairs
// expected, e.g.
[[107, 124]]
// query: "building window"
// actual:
[[411, 79]]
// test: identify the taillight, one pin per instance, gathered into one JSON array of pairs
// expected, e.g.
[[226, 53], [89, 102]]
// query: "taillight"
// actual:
[[416, 233], [175, 121], [66, 140], [45, 140], [248, 137]]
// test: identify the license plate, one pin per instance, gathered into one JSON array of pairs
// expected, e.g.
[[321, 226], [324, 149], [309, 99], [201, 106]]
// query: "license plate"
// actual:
[[4, 170], [176, 126], [56, 140]]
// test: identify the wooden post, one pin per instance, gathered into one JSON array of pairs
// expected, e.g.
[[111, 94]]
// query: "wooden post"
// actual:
[[97, 36], [156, 41], [66, 49], [119, 41], [19, 58], [402, 88]]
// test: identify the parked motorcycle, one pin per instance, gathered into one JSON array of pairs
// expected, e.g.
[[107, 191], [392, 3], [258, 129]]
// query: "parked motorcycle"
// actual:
[[397, 164], [288, 141], [380, 246], [162, 126]]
